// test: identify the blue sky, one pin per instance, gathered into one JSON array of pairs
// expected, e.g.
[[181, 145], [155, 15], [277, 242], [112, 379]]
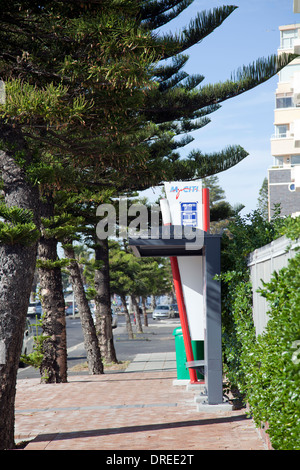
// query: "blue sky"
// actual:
[[250, 32]]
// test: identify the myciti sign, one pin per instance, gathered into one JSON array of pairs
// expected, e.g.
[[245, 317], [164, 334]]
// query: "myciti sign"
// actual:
[[185, 189]]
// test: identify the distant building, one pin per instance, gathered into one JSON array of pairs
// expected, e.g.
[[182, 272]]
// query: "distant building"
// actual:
[[284, 175]]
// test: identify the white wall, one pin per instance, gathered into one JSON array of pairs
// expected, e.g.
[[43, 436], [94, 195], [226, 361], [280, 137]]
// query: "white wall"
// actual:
[[262, 263]]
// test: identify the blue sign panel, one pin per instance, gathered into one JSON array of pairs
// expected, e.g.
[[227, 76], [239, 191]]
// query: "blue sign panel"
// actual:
[[189, 214]]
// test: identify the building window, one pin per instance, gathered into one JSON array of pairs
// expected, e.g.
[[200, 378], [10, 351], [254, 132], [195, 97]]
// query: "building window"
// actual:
[[281, 131], [287, 73], [278, 161], [287, 38], [284, 102], [295, 160]]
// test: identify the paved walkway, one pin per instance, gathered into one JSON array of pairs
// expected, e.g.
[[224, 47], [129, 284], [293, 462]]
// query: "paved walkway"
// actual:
[[142, 408]]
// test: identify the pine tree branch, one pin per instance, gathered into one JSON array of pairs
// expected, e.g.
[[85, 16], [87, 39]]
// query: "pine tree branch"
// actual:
[[201, 26], [244, 79], [153, 13]]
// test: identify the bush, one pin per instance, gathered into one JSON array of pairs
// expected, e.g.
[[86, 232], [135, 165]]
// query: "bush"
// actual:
[[273, 368], [238, 332], [244, 235], [35, 358], [266, 369]]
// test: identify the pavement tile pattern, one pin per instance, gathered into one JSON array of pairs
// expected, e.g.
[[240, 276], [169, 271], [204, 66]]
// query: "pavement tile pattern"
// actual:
[[140, 408]]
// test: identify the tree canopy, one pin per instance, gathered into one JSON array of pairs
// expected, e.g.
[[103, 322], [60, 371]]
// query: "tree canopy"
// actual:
[[91, 87]]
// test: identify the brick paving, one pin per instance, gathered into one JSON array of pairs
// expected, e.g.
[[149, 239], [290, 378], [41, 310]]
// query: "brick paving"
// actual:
[[141, 408]]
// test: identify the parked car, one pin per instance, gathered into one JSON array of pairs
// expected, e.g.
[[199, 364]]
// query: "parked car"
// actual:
[[114, 319], [69, 309], [161, 311], [28, 340], [174, 312], [34, 310]]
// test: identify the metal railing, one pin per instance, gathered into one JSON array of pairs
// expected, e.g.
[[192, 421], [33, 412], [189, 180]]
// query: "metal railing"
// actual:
[[288, 43], [284, 135]]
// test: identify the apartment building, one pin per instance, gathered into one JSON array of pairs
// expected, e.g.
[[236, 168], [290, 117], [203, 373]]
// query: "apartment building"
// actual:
[[284, 175]]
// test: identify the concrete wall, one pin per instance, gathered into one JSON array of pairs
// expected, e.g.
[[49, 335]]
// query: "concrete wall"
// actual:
[[279, 180]]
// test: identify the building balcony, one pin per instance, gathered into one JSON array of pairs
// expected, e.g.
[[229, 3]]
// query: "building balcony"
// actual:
[[284, 87], [296, 45], [286, 49], [284, 144], [286, 115]]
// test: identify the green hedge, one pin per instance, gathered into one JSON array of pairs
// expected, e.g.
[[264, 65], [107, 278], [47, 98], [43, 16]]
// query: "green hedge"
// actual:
[[273, 369], [266, 369]]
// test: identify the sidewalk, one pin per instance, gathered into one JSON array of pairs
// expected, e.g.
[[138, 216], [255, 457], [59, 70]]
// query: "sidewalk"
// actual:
[[141, 408]]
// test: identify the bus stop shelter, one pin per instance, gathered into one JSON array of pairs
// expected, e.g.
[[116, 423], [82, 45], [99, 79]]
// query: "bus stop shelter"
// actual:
[[208, 253]]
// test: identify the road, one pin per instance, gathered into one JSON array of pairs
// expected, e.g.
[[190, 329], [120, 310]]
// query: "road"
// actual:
[[157, 337]]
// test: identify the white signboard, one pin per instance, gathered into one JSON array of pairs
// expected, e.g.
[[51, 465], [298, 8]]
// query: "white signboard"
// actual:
[[185, 202]]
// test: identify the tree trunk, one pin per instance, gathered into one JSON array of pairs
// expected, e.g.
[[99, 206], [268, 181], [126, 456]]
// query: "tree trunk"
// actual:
[[127, 318], [173, 295], [54, 364], [144, 311], [153, 302], [17, 265], [103, 303], [33, 296], [89, 331], [139, 327]]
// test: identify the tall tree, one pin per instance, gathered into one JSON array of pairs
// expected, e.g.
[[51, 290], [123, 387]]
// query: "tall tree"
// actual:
[[54, 363], [216, 193], [83, 204], [221, 211], [121, 281], [18, 236], [263, 199], [91, 343]]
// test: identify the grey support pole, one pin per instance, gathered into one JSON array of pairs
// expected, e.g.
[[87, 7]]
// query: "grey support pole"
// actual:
[[213, 333]]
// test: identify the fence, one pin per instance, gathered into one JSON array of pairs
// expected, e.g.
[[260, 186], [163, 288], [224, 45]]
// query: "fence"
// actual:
[[262, 263]]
